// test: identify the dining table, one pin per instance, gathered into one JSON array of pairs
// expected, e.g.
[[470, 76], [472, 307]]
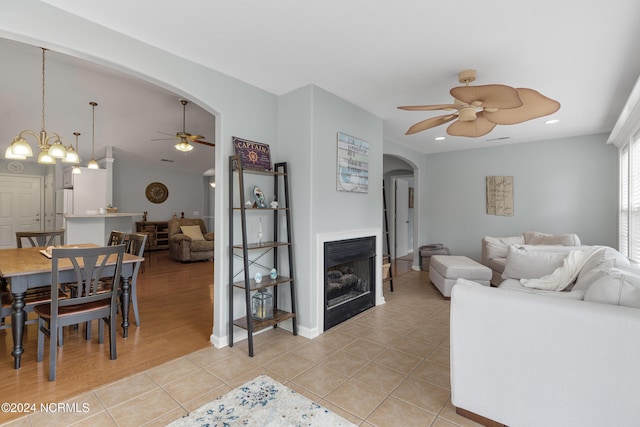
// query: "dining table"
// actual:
[[27, 268]]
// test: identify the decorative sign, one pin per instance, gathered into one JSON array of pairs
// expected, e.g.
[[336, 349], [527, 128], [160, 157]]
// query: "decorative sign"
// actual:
[[353, 164], [500, 195], [253, 155]]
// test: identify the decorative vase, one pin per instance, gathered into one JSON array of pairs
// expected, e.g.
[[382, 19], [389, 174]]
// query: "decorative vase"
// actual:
[[273, 274], [258, 277]]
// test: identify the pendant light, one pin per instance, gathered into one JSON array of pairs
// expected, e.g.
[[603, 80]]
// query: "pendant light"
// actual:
[[72, 155], [51, 147], [76, 168], [92, 163]]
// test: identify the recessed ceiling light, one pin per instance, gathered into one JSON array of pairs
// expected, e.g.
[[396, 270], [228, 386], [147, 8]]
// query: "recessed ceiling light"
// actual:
[[551, 122], [439, 138]]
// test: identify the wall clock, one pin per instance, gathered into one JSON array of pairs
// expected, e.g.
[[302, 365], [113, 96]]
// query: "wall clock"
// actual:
[[157, 192], [15, 167]]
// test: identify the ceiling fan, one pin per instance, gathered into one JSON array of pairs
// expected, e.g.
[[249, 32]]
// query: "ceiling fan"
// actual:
[[185, 138], [478, 109]]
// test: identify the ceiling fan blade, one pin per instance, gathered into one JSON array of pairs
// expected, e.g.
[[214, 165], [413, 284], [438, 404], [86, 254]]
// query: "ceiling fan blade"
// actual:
[[472, 129], [488, 96], [430, 123], [429, 107], [199, 141], [534, 105], [163, 139], [194, 137]]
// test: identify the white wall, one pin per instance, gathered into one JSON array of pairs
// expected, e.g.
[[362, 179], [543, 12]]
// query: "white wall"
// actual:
[[560, 186]]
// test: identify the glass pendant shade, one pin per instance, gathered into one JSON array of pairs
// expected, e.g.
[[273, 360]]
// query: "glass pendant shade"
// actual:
[[57, 150], [76, 170], [183, 146], [93, 164], [72, 156], [8, 154], [45, 159], [20, 147]]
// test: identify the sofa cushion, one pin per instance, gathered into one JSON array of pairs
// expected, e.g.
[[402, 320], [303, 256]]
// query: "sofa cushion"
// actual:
[[497, 247], [515, 286], [524, 262], [192, 231], [537, 238], [618, 287]]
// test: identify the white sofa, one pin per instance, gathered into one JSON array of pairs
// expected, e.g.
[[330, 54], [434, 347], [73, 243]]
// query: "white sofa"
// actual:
[[526, 357], [494, 249]]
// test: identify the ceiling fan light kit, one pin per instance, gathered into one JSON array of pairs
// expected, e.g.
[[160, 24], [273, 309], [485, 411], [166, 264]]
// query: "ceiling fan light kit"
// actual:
[[480, 108], [185, 138]]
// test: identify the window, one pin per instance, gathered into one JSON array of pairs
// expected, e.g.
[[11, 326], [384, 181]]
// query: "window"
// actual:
[[629, 220]]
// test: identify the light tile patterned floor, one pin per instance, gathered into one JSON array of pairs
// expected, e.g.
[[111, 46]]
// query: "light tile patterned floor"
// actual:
[[389, 366]]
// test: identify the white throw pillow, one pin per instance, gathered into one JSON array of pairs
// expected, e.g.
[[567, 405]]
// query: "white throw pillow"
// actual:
[[619, 287], [497, 247], [536, 238], [192, 231], [523, 263]]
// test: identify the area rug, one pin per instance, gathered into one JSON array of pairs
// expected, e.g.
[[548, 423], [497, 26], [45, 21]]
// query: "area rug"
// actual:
[[261, 402]]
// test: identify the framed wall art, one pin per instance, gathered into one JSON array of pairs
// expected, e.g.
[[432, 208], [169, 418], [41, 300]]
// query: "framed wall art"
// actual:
[[353, 164], [500, 195]]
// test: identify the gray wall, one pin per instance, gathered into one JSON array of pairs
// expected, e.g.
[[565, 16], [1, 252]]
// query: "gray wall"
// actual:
[[560, 186], [309, 120], [130, 180]]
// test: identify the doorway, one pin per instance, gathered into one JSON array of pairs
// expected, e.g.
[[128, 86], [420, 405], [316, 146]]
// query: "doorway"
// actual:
[[401, 227], [21, 200]]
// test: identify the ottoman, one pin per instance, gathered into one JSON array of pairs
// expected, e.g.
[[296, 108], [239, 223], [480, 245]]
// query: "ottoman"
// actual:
[[444, 270]]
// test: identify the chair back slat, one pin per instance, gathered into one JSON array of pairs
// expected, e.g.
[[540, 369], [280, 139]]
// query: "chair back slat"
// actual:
[[89, 267], [116, 238], [40, 238], [135, 243]]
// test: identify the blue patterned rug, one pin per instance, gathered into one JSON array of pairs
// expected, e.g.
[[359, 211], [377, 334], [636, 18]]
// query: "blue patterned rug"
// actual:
[[261, 402]]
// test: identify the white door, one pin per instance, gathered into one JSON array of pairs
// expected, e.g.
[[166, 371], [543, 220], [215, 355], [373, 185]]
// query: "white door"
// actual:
[[20, 207], [401, 217]]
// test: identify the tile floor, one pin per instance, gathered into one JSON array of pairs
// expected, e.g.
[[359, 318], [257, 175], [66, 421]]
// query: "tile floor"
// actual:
[[389, 366]]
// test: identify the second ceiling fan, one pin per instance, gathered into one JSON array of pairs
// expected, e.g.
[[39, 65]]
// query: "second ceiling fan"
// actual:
[[184, 138], [478, 109]]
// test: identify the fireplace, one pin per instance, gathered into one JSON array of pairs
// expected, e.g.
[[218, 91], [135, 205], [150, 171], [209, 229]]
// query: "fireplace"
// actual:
[[350, 278]]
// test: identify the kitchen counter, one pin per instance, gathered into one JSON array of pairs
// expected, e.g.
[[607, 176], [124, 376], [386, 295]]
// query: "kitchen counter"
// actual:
[[95, 228]]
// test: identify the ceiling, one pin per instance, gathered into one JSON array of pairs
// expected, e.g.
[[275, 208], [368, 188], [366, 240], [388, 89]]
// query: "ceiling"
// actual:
[[375, 55]]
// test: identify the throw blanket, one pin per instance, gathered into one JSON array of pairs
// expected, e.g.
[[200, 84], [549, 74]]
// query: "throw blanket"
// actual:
[[563, 276]]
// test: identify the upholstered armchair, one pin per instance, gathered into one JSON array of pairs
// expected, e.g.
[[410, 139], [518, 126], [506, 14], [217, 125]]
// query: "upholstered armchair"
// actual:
[[189, 240]]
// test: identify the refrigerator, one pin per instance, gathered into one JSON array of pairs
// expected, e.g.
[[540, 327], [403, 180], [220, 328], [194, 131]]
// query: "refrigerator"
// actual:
[[64, 205]]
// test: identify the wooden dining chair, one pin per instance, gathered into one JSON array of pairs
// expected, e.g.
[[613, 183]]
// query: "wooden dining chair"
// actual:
[[34, 296], [40, 238], [116, 238], [87, 304], [135, 244]]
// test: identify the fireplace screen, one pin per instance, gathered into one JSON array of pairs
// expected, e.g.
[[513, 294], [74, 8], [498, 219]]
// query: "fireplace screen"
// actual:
[[349, 278]]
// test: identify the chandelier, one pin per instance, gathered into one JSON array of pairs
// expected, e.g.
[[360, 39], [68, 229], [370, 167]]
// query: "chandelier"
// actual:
[[51, 146]]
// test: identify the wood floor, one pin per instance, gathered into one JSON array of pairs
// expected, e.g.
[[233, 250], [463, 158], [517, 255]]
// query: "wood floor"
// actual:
[[176, 309]]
